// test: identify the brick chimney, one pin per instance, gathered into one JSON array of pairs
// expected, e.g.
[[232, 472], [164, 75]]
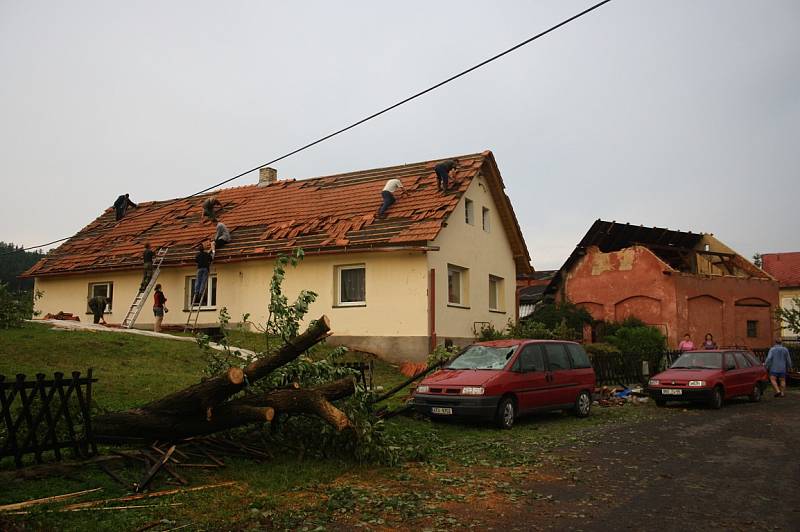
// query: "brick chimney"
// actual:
[[267, 176]]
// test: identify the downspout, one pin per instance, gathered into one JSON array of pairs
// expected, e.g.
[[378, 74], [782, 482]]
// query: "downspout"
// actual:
[[432, 310]]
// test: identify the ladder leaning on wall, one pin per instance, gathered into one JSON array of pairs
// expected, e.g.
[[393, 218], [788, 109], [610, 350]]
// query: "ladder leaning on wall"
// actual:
[[141, 296], [195, 304]]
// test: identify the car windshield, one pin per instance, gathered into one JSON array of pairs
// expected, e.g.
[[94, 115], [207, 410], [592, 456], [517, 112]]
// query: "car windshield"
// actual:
[[483, 357], [698, 360]]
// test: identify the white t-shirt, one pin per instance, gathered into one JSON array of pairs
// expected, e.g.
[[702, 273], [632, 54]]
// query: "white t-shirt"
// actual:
[[392, 185]]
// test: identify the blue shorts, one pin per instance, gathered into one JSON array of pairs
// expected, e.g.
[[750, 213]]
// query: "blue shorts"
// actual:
[[778, 374]]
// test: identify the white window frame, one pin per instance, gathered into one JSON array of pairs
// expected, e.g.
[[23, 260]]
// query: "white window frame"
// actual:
[[469, 211], [485, 219], [498, 283], [463, 287], [211, 290], [109, 295], [338, 285]]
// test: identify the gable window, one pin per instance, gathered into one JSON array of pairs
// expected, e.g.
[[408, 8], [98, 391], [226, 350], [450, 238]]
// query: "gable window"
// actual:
[[105, 289], [485, 219], [496, 293], [469, 214], [752, 329], [457, 285], [351, 285], [209, 297]]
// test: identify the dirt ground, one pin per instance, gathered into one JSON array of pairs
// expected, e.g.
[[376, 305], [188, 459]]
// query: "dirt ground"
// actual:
[[733, 469]]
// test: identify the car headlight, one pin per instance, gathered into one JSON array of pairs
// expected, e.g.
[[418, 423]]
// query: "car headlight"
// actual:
[[697, 384], [472, 390], [654, 382], [423, 388]]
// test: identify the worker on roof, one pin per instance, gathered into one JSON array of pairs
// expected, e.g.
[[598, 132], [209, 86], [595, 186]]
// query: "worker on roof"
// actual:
[[443, 170], [388, 195], [203, 260], [221, 238], [147, 259], [209, 208], [121, 205]]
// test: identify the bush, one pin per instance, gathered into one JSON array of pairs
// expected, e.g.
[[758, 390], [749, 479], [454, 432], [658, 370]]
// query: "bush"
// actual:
[[601, 348], [640, 340], [15, 308]]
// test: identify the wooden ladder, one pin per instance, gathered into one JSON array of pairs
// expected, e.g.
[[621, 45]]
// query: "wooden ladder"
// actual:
[[195, 305], [141, 296]]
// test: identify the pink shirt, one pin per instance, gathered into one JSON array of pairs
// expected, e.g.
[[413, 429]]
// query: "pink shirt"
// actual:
[[686, 345]]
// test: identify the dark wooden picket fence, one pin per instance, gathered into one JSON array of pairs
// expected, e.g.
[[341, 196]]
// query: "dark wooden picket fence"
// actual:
[[41, 416]]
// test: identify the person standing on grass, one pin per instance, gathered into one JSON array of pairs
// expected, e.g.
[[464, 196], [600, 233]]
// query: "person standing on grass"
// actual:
[[778, 364], [97, 305], [159, 299], [686, 344]]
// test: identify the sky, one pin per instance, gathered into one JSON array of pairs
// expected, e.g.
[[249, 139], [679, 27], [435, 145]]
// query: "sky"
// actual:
[[681, 114]]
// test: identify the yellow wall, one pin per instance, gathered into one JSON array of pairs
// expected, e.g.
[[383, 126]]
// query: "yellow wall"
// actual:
[[785, 296], [484, 254]]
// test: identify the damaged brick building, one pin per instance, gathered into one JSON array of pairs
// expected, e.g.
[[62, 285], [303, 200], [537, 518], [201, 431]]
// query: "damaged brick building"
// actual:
[[680, 282]]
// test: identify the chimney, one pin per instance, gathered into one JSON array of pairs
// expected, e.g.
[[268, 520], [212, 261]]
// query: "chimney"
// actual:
[[267, 176]]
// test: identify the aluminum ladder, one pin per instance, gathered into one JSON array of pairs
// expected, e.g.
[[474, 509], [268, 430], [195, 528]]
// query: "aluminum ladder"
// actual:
[[141, 296], [195, 304]]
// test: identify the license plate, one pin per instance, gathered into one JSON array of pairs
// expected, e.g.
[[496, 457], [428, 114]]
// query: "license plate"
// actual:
[[670, 391], [443, 411]]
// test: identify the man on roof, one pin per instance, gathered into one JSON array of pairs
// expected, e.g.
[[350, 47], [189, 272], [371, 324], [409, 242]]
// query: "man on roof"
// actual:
[[221, 238], [209, 208], [443, 171], [387, 194], [121, 205]]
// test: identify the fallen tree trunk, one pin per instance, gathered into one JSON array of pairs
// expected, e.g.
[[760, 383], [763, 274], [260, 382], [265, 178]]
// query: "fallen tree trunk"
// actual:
[[206, 407]]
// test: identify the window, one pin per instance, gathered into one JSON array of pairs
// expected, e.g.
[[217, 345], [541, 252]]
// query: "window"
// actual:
[[531, 358], [469, 215], [579, 357], [105, 289], [496, 300], [742, 360], [752, 329], [209, 299], [730, 363], [556, 357], [351, 285], [456, 285], [485, 218]]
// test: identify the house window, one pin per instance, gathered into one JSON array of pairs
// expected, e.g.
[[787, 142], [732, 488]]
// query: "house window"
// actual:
[[209, 299], [752, 329], [469, 214], [351, 283], [457, 285], [495, 293], [485, 218], [105, 289]]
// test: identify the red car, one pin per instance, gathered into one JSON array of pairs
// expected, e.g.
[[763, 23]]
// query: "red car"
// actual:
[[710, 376], [503, 379]]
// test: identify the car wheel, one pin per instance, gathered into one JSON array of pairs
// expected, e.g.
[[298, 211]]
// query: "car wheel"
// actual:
[[716, 398], [661, 402], [506, 413], [755, 395], [583, 404]]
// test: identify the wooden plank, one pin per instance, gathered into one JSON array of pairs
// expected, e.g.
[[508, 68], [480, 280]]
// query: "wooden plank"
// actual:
[[148, 477], [45, 500], [162, 493]]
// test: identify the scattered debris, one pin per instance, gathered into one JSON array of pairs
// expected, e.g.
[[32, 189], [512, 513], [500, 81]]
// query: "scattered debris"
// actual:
[[45, 500]]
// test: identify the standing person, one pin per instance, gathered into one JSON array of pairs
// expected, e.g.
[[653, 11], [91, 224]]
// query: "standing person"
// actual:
[[203, 260], [121, 206], [778, 364], [147, 259], [388, 195], [209, 208], [158, 307], [97, 305], [709, 342], [443, 170], [686, 344], [221, 238]]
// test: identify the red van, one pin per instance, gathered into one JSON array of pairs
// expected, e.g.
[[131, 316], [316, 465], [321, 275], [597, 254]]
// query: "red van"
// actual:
[[503, 379]]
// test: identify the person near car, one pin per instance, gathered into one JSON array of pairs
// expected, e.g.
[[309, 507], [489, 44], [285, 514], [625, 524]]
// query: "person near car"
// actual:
[[686, 344], [388, 195], [159, 308], [709, 342], [778, 364]]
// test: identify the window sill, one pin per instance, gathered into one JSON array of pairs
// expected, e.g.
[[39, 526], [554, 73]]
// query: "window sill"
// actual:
[[353, 305], [495, 311], [202, 309], [455, 305]]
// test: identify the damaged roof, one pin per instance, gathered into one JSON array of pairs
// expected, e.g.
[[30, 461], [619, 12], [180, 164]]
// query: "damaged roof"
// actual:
[[330, 214], [785, 267]]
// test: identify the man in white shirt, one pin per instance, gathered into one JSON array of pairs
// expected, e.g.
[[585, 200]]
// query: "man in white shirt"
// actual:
[[388, 195]]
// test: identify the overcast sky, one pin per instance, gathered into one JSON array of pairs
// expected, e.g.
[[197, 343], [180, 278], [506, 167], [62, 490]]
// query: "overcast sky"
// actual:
[[682, 114]]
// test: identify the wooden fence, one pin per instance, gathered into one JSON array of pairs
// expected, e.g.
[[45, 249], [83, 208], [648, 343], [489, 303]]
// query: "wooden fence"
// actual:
[[40, 416]]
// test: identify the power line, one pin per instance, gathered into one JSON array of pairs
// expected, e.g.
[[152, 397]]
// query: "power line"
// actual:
[[378, 113]]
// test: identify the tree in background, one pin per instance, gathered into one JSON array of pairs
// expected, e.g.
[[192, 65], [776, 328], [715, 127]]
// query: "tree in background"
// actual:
[[790, 316], [14, 261]]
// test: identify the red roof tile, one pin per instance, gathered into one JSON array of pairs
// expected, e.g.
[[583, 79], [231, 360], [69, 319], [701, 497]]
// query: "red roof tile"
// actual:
[[785, 267], [325, 214]]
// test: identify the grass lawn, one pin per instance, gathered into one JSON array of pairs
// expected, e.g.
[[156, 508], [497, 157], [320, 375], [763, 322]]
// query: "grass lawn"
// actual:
[[458, 461]]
